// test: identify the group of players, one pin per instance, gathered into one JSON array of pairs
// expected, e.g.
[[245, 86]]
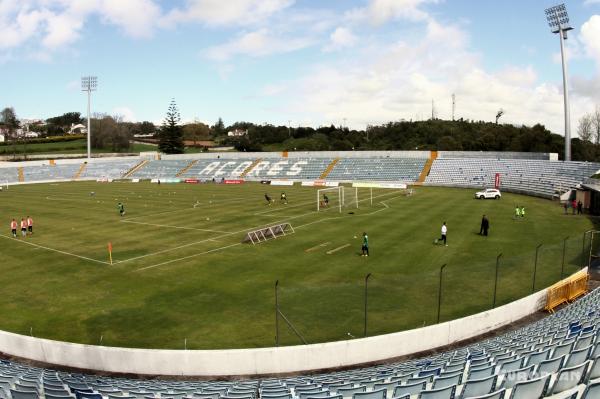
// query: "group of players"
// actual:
[[283, 199], [26, 227]]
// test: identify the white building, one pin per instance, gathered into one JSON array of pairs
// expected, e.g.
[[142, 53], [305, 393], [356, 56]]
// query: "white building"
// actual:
[[237, 133]]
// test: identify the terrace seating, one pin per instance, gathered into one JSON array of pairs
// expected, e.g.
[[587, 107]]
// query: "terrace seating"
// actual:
[[533, 177], [515, 365], [377, 169]]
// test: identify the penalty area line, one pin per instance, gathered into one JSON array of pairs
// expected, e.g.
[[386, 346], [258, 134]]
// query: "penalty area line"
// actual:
[[187, 257], [334, 250], [38, 246], [324, 244]]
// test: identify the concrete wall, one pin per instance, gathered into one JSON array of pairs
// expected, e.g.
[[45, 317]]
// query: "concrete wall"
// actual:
[[302, 154], [267, 360]]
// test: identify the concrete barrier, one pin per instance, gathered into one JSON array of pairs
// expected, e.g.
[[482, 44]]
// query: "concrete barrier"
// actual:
[[290, 359]]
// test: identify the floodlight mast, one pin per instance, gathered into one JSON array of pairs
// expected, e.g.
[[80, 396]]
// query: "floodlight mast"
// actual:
[[558, 20], [89, 84]]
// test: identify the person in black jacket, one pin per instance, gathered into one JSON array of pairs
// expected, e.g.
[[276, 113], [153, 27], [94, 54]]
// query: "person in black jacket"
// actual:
[[485, 225]]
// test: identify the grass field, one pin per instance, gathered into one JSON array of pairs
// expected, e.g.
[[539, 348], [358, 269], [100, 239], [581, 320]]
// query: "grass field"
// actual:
[[181, 272]]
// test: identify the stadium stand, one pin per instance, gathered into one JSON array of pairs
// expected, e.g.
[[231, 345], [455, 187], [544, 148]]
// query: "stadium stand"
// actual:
[[378, 169], [532, 177], [555, 357], [163, 169], [50, 172], [108, 169], [268, 168], [8, 175]]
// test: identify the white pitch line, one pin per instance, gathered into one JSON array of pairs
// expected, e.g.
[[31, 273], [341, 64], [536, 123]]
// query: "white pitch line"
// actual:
[[54, 250], [386, 206], [175, 227], [337, 249], [186, 257]]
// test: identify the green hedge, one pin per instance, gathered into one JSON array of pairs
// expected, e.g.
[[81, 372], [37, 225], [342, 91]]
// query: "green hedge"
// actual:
[[52, 139]]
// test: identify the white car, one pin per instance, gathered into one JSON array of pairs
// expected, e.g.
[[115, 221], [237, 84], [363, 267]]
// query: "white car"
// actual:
[[488, 193]]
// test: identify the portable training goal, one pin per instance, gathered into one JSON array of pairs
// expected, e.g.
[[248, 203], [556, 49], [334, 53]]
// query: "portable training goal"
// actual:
[[268, 233]]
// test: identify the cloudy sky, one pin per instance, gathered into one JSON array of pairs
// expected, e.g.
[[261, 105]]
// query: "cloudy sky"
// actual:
[[310, 62]]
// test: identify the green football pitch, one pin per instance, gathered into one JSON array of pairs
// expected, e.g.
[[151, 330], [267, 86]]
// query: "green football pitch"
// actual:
[[181, 273]]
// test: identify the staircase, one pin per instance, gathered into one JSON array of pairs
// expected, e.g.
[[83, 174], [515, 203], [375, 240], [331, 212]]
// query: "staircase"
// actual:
[[135, 169], [80, 171], [329, 168], [427, 167], [188, 167], [21, 174], [250, 167]]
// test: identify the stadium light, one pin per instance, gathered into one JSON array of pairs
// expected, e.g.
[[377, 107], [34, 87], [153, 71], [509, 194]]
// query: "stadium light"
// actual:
[[366, 292], [496, 280], [89, 84], [440, 293], [558, 20]]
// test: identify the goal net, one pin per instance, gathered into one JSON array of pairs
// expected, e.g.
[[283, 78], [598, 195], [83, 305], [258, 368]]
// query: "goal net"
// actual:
[[337, 198]]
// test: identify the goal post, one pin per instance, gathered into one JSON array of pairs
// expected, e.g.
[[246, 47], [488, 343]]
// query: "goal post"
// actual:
[[336, 200], [350, 197]]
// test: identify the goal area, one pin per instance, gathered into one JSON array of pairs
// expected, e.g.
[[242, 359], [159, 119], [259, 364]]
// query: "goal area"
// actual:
[[337, 198]]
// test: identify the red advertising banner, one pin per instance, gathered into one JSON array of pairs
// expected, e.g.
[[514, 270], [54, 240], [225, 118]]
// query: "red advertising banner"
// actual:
[[497, 181], [192, 181], [233, 181]]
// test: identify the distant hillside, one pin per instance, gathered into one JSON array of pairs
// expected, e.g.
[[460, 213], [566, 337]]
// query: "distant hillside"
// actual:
[[408, 135]]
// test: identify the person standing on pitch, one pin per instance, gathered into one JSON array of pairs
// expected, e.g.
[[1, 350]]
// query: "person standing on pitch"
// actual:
[[574, 206], [121, 209], [517, 211], [283, 198], [268, 199], [485, 225], [13, 228], [23, 227], [29, 225], [522, 211], [566, 206], [365, 245], [444, 233], [579, 207]]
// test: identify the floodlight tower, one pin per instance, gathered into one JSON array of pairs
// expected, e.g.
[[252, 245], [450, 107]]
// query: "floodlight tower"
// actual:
[[89, 84], [558, 20]]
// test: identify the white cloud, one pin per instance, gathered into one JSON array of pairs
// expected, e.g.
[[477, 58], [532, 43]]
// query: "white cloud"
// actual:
[[340, 38], [125, 113], [379, 12], [398, 81], [591, 2], [590, 38], [58, 23], [229, 12], [255, 44]]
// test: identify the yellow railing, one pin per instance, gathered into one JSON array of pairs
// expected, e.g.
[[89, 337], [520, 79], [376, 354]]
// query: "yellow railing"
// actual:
[[329, 168], [250, 167], [567, 290]]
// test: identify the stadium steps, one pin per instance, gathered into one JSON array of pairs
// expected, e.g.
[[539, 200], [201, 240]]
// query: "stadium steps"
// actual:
[[135, 168], [329, 168], [80, 171], [188, 167], [249, 168], [427, 167], [21, 174]]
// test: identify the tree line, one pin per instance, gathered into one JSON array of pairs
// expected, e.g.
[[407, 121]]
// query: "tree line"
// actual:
[[111, 132]]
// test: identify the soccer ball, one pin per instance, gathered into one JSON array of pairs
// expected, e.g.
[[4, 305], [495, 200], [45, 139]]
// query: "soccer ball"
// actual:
[[354, 236], [207, 218], [435, 241]]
